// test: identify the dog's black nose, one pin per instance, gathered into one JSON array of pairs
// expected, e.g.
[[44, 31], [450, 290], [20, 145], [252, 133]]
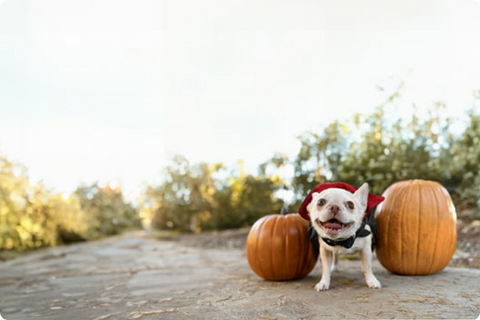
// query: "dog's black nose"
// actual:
[[334, 209]]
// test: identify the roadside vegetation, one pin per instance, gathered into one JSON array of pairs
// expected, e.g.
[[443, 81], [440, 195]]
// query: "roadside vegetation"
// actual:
[[377, 148]]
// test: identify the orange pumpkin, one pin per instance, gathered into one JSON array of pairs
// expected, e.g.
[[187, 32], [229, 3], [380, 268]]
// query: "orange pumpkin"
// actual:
[[278, 247], [417, 228]]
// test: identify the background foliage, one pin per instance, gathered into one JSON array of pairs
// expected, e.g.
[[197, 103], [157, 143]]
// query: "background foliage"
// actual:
[[375, 148], [207, 196], [31, 216]]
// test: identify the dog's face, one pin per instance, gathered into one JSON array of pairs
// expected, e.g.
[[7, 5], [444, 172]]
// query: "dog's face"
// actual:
[[338, 213]]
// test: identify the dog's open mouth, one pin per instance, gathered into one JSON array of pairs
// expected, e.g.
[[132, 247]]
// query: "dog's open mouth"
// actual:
[[333, 224]]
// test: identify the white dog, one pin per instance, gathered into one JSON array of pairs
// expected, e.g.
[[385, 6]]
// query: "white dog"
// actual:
[[338, 217]]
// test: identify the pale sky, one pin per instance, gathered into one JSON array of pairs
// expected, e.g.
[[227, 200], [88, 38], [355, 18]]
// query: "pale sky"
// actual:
[[109, 90]]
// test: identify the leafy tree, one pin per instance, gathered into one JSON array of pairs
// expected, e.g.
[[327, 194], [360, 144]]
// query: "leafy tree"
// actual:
[[320, 157], [244, 200], [30, 216], [106, 211], [23, 221], [205, 196], [186, 193], [376, 149], [387, 153], [373, 148]]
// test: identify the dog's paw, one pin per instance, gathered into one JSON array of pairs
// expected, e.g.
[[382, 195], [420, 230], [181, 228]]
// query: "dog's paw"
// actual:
[[374, 283], [322, 286]]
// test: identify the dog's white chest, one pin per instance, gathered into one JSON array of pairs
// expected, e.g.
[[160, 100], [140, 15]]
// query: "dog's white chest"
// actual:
[[357, 245]]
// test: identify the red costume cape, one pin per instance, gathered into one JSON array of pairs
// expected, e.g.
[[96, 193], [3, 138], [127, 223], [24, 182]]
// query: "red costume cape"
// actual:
[[373, 200]]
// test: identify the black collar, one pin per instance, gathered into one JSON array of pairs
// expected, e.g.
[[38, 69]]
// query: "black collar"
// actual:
[[348, 243]]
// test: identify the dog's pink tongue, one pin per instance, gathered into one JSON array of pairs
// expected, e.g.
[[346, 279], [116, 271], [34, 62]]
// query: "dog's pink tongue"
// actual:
[[333, 225]]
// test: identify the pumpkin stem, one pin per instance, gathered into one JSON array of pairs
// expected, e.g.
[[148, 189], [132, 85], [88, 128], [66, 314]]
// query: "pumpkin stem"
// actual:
[[284, 211]]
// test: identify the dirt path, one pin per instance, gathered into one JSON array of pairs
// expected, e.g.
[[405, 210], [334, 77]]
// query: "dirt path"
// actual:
[[137, 277]]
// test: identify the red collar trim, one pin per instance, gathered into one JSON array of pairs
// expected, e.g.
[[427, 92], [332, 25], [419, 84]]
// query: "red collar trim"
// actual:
[[373, 200]]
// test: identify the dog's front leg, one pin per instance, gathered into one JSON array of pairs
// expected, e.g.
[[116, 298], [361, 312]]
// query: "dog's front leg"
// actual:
[[370, 278], [334, 263], [327, 257]]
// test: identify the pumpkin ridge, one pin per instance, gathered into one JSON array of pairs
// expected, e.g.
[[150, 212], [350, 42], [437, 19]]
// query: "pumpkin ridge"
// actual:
[[281, 230], [432, 266], [406, 229], [400, 185], [405, 192], [418, 229], [300, 245], [447, 216], [256, 246], [387, 219], [272, 247], [400, 251]]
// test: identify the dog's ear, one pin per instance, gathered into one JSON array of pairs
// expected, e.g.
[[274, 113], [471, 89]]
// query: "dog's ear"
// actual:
[[362, 195], [312, 203]]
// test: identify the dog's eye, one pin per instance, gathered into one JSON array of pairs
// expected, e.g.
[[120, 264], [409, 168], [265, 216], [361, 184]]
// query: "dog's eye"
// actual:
[[350, 205], [321, 202]]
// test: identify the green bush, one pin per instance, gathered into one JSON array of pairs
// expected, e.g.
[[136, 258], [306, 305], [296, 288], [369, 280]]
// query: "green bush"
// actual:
[[206, 196], [373, 148], [466, 162], [381, 151], [31, 216], [105, 211], [26, 212]]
